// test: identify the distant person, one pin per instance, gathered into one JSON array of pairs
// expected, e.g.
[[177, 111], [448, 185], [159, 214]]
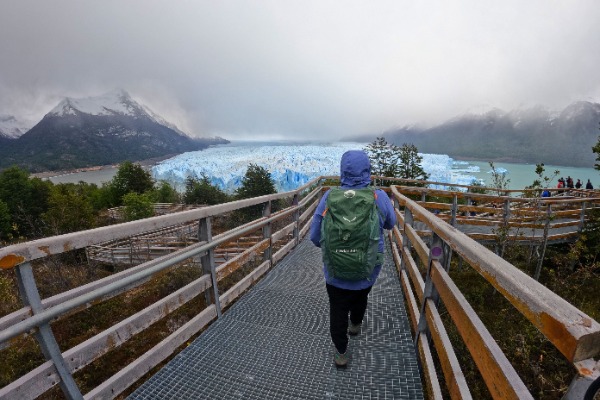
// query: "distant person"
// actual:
[[340, 228], [473, 213], [546, 193], [578, 185], [560, 185], [588, 185], [570, 182]]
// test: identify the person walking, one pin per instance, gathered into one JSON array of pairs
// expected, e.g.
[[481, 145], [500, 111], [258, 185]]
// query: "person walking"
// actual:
[[348, 292]]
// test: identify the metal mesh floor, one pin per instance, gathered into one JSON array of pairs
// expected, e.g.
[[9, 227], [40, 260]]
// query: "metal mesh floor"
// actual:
[[274, 344]]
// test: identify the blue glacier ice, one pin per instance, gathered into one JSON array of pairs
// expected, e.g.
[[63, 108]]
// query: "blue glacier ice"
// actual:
[[290, 165]]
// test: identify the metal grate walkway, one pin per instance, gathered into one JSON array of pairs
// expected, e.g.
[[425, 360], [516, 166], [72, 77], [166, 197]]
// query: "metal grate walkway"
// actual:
[[274, 344]]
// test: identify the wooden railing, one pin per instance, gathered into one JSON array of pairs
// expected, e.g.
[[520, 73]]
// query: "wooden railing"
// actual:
[[280, 232], [575, 335], [572, 332]]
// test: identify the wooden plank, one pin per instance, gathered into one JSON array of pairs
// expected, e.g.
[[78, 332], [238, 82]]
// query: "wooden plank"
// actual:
[[411, 303], [36, 382], [232, 265], [418, 243], [431, 379], [575, 334], [234, 292], [13, 255], [454, 377], [283, 251], [283, 232], [415, 275], [25, 312], [499, 375], [117, 383]]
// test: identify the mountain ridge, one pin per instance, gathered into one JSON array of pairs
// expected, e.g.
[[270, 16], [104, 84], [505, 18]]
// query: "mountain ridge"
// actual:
[[527, 135], [94, 131]]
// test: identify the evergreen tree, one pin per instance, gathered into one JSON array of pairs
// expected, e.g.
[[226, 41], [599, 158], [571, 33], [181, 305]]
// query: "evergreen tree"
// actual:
[[203, 192], [256, 182], [5, 221], [129, 178], [137, 206], [27, 200], [383, 157], [69, 209], [395, 161], [409, 163], [165, 193]]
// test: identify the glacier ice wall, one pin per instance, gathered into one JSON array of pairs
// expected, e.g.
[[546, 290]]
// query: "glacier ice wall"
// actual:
[[291, 166]]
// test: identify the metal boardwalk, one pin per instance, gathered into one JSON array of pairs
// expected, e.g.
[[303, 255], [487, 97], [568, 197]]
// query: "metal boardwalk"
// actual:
[[274, 343]]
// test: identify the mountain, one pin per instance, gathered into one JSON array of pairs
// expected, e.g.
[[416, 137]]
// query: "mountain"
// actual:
[[526, 135], [96, 131], [11, 128]]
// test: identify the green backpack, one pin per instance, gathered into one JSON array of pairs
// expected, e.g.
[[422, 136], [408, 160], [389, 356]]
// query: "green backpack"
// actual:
[[350, 234]]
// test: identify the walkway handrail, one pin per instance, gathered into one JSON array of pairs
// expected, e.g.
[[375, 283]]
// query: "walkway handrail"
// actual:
[[12, 255], [572, 332], [38, 313]]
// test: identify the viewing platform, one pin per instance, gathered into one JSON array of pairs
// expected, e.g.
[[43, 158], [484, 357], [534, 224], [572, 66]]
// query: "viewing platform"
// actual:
[[240, 310]]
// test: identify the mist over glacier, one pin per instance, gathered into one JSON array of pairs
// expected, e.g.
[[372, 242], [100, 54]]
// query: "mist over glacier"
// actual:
[[290, 165]]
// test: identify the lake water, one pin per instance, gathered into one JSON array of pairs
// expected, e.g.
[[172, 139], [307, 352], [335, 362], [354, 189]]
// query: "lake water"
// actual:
[[520, 175]]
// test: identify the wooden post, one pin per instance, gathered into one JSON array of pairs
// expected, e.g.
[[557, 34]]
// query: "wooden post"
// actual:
[[436, 253], [208, 263], [582, 218], [454, 210], [408, 220], [538, 269], [295, 202], [266, 231]]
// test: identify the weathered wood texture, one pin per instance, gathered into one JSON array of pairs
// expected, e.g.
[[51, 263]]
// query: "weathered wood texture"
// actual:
[[574, 333], [44, 377]]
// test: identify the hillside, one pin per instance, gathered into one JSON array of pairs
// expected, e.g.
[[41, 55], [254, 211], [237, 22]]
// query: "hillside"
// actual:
[[96, 131], [530, 135]]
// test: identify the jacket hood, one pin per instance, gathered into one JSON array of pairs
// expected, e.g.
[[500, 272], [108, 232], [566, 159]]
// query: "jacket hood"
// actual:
[[355, 169]]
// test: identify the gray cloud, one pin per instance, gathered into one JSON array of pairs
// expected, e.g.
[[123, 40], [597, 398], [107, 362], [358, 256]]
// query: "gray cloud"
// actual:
[[300, 69]]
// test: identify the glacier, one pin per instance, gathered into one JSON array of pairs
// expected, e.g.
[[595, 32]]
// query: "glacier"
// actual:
[[290, 165]]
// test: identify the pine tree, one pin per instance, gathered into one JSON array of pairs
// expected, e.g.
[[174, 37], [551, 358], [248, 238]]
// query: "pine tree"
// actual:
[[395, 162], [203, 192], [409, 163], [256, 182], [383, 157], [129, 178]]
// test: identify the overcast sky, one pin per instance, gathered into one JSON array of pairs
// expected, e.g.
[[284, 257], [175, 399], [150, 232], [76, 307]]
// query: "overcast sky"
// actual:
[[300, 69]]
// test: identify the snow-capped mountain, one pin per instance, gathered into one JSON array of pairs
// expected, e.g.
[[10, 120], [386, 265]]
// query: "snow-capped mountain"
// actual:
[[115, 103], [12, 128], [98, 130]]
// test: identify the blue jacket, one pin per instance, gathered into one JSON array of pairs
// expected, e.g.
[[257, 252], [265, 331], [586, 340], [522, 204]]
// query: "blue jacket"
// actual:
[[355, 172]]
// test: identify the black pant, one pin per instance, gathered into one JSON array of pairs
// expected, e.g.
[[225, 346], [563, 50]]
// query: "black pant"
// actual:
[[341, 303]]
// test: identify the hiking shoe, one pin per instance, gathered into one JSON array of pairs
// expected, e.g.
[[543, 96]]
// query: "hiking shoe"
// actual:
[[341, 360], [354, 330]]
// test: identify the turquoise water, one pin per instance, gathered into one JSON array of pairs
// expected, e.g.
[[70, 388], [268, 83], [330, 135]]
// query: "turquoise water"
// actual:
[[522, 175]]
